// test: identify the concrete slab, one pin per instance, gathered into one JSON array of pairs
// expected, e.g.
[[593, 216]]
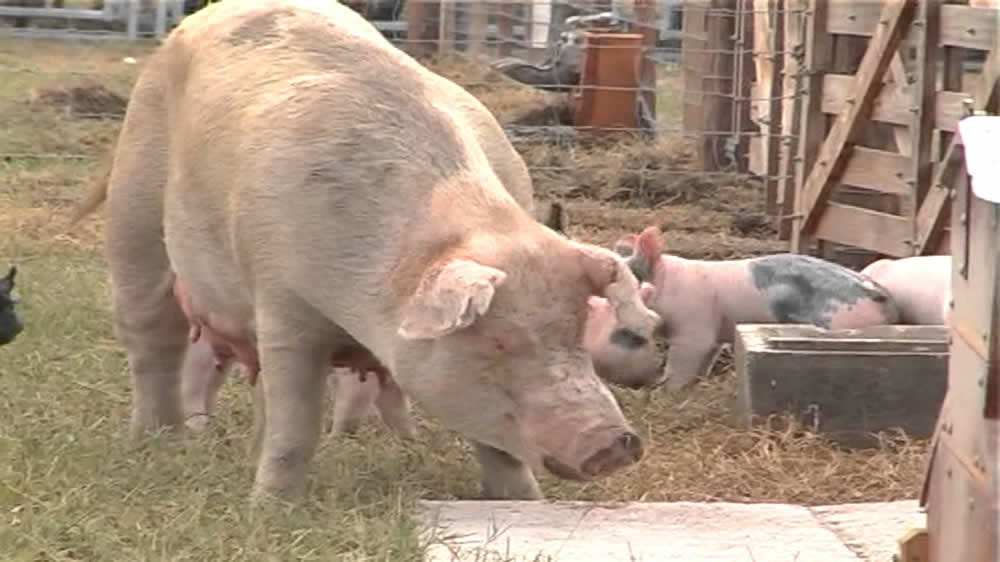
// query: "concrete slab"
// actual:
[[724, 532], [871, 530]]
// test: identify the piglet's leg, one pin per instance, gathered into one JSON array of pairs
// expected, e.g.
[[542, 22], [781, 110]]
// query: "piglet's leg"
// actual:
[[353, 396], [688, 359], [200, 384], [394, 408], [504, 477]]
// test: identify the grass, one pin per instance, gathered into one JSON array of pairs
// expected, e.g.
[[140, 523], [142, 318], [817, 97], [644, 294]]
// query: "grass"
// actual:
[[72, 486]]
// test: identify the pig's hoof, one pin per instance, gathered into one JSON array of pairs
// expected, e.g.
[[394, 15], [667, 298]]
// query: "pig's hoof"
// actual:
[[198, 422]]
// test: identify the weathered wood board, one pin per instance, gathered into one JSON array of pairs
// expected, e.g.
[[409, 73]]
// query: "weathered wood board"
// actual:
[[847, 384]]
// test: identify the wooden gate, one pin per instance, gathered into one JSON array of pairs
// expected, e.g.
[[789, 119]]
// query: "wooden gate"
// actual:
[[870, 151]]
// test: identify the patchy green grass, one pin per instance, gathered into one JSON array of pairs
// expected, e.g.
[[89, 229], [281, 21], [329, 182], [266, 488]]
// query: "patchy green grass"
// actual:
[[73, 487]]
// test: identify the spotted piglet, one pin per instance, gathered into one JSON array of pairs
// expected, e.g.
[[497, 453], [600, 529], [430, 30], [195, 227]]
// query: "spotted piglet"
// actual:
[[700, 302], [920, 286]]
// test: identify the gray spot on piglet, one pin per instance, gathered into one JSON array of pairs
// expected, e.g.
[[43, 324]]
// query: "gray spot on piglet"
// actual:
[[628, 339], [806, 290]]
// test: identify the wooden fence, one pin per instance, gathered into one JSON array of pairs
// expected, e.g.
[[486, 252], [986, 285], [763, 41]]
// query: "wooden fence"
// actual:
[[861, 102]]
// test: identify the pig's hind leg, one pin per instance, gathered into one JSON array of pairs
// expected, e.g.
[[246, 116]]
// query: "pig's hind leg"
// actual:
[[146, 317], [352, 399]]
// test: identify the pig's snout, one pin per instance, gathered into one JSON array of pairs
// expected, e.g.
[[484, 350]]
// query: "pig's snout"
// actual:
[[624, 450]]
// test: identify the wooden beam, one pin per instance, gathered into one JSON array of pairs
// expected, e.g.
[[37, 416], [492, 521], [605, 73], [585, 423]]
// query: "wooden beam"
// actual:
[[931, 216], [896, 16], [960, 25]]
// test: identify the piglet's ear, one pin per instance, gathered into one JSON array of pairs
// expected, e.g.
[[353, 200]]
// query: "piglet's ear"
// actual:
[[450, 299], [7, 283], [650, 243]]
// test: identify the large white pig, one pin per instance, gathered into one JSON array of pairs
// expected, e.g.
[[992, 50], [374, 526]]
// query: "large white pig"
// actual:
[[318, 193], [920, 285], [700, 301]]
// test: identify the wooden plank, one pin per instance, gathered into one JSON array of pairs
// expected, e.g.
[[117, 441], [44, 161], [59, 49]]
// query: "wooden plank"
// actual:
[[931, 216], [949, 110], [886, 108], [791, 111], [846, 392], [914, 546], [818, 53], [963, 26], [896, 16], [960, 26], [851, 17], [864, 228], [831, 344], [877, 170]]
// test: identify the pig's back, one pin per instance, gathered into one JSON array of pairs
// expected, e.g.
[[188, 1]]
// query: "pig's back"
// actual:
[[803, 289]]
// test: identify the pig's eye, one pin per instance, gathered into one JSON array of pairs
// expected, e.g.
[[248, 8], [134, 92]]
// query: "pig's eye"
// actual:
[[628, 339]]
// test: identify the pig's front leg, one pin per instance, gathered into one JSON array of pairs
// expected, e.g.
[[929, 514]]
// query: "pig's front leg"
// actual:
[[504, 477], [294, 370], [394, 408], [689, 358]]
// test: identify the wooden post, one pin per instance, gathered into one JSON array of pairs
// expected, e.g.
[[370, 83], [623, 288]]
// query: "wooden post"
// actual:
[[446, 26], [792, 78], [767, 43], [476, 18], [818, 52], [924, 93], [505, 27], [645, 15], [417, 33]]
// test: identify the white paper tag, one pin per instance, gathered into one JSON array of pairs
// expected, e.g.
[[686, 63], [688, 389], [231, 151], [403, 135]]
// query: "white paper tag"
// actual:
[[981, 137]]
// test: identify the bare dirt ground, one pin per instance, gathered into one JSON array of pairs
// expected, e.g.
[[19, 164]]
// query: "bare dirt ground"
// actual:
[[73, 488]]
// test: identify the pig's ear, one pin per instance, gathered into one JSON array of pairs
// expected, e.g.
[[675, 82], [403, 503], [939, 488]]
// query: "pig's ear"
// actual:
[[556, 218], [625, 246], [650, 244], [450, 299]]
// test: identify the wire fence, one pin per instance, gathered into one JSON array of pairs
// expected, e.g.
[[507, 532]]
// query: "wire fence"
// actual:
[[612, 100]]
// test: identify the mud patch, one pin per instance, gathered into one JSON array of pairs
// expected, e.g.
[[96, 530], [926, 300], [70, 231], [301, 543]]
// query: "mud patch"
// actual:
[[82, 101]]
